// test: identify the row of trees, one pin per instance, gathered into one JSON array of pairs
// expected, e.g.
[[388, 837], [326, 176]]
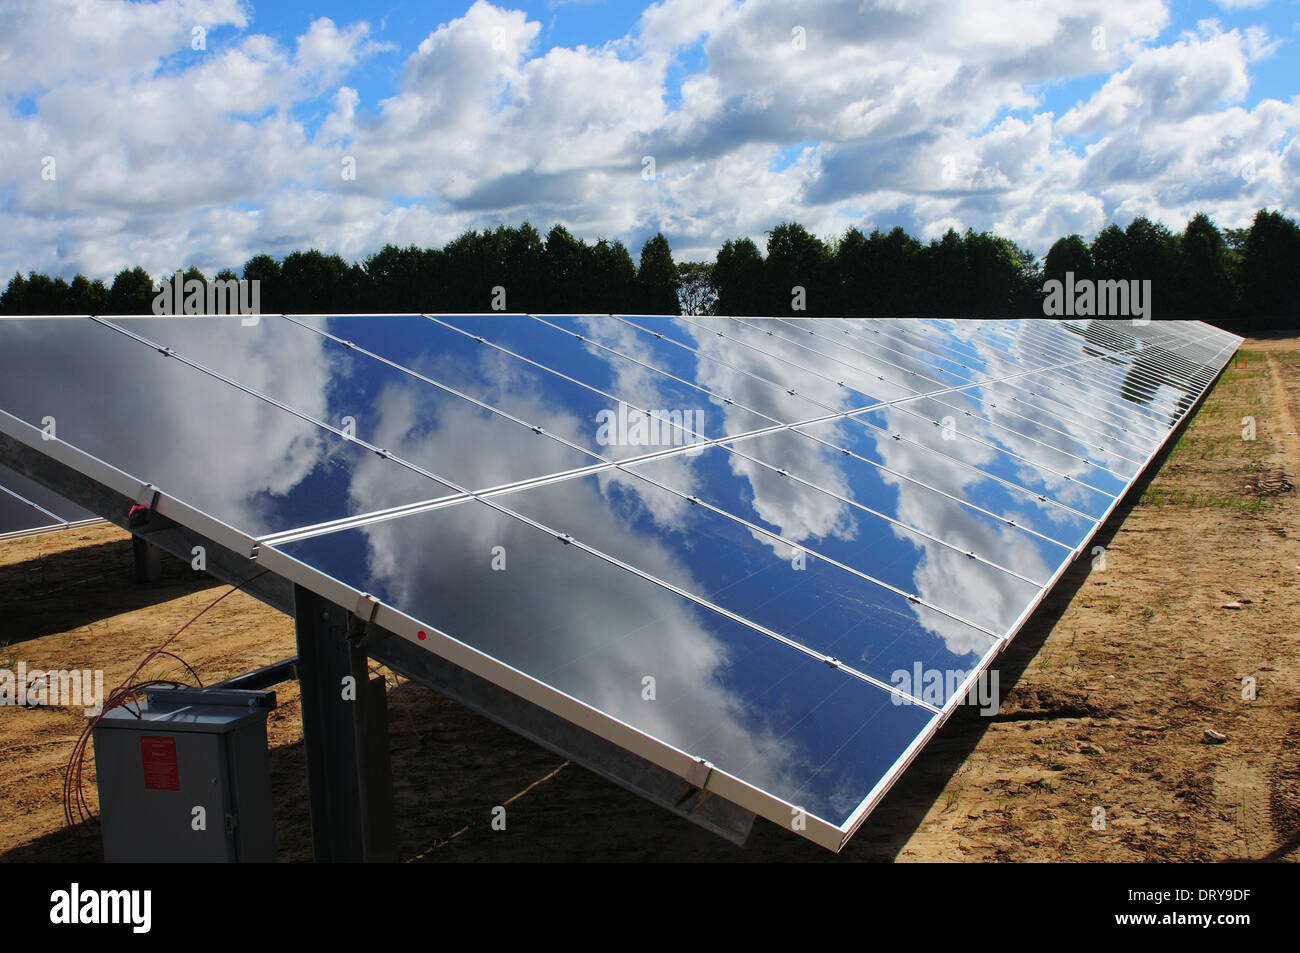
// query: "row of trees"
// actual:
[[506, 268], [975, 275], [1242, 274], [1235, 275]]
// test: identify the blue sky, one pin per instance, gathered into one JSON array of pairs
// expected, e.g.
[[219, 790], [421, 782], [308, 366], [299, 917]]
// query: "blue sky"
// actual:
[[121, 144], [405, 24]]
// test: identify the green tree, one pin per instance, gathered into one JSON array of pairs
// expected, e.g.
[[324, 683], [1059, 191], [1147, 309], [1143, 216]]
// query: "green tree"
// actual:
[[394, 281], [738, 277], [1109, 253], [87, 297], [312, 282], [1068, 254], [1205, 271], [565, 259], [1152, 253], [656, 279], [1002, 278], [45, 295], [609, 278], [14, 300], [854, 275], [797, 272], [696, 292], [900, 260], [1270, 268], [947, 292], [131, 292], [521, 257], [266, 271]]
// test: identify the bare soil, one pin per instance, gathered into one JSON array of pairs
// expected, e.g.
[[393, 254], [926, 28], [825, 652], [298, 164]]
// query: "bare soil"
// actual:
[[1096, 754]]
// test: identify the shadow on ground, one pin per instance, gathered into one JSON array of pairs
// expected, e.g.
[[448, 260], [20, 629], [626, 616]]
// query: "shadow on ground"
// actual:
[[50, 594]]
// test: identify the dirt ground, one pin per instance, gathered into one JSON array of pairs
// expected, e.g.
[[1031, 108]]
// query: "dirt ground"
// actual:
[[1097, 752]]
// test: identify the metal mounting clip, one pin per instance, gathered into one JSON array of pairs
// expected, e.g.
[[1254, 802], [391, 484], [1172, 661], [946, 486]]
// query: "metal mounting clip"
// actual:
[[147, 495], [145, 501], [361, 628], [367, 606], [697, 775]]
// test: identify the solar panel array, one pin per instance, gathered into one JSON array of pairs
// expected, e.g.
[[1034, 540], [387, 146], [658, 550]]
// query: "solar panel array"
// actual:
[[770, 555]]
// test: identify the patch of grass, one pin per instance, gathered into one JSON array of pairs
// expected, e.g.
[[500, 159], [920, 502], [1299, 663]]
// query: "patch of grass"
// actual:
[[1216, 446], [1162, 494], [1110, 604]]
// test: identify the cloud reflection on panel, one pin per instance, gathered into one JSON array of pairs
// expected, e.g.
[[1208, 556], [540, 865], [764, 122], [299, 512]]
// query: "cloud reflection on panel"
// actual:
[[166, 423], [1088, 419], [821, 520], [1095, 343], [362, 397], [729, 367], [481, 449], [816, 375], [812, 375], [940, 574], [582, 625], [904, 361], [1023, 426], [642, 387], [787, 507], [943, 575], [1144, 382], [1009, 432], [775, 501]]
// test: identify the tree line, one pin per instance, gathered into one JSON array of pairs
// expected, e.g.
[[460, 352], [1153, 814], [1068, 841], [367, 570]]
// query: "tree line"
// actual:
[[1232, 276]]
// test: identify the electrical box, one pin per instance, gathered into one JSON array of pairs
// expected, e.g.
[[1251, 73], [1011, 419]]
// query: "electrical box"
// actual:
[[185, 776]]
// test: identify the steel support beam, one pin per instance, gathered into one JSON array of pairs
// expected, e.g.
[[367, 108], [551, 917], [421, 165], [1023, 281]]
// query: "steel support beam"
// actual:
[[148, 561], [345, 732], [285, 670]]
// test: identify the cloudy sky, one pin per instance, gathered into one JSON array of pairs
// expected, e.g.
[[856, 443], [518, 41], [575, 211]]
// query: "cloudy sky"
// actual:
[[201, 132]]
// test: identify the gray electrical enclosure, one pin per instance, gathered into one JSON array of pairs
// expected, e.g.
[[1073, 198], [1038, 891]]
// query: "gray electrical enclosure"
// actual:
[[186, 777]]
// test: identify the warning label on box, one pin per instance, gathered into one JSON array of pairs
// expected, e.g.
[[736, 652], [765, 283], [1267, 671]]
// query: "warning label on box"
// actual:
[[161, 772]]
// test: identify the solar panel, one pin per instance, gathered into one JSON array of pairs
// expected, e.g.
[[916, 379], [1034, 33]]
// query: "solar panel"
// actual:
[[729, 546], [27, 508]]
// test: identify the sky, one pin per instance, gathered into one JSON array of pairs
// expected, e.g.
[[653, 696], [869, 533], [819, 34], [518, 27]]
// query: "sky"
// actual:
[[201, 132]]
